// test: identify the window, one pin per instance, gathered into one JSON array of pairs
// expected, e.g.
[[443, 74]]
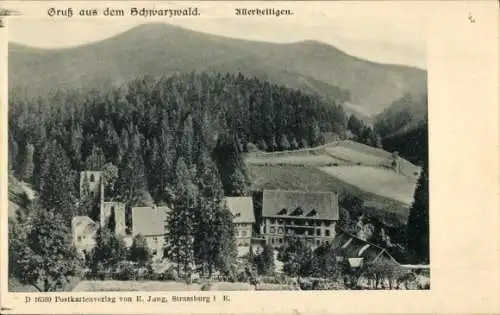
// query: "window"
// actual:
[[280, 230], [92, 178], [273, 230], [273, 221], [318, 232], [154, 252], [327, 232], [79, 238], [112, 209], [281, 241], [272, 240], [318, 242], [244, 233], [155, 239], [328, 223], [280, 221]]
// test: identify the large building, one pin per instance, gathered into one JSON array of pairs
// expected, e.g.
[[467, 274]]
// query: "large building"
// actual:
[[243, 218], [298, 214], [151, 223]]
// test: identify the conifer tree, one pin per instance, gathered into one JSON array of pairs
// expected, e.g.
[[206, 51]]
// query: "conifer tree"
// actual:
[[87, 202], [265, 261], [57, 182], [293, 144], [76, 143], [214, 237], [180, 221], [13, 154], [261, 144], [109, 251], [418, 221], [226, 251], [284, 144], [96, 160], [132, 180], [109, 177], [139, 251], [231, 165], [27, 166]]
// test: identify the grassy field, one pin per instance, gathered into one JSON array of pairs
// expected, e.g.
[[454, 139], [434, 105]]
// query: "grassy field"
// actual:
[[360, 147], [15, 286], [156, 286], [345, 152], [379, 181], [338, 166], [311, 160], [114, 285], [290, 177], [354, 156]]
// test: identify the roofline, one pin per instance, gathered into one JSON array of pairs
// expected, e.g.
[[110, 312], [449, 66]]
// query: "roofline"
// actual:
[[151, 235], [298, 217], [302, 191], [376, 246], [416, 266]]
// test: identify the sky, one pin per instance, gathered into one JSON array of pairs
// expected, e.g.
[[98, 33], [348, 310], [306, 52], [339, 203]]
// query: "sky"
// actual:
[[388, 32]]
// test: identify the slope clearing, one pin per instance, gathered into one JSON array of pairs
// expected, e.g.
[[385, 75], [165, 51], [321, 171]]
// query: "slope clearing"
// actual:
[[342, 166]]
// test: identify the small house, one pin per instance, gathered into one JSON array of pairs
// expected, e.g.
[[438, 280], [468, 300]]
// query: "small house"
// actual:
[[151, 223], [243, 219]]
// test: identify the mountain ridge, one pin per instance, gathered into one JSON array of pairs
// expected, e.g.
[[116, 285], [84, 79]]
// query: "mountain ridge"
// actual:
[[162, 49]]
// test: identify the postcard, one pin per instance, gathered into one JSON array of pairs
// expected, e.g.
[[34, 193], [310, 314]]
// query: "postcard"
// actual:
[[249, 157]]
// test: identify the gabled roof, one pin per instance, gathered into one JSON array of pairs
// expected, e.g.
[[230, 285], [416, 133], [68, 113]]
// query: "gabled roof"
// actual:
[[241, 208], [351, 246], [325, 204], [149, 221]]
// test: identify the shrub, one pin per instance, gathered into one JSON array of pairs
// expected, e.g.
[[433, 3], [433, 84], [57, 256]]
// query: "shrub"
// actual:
[[206, 287], [252, 147], [242, 277], [126, 271], [170, 275], [154, 276]]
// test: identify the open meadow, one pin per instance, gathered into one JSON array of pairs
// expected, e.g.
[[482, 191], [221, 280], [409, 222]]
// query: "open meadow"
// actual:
[[157, 286], [290, 177], [379, 181]]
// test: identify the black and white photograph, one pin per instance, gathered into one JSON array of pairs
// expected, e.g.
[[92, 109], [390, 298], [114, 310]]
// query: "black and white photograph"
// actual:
[[157, 149]]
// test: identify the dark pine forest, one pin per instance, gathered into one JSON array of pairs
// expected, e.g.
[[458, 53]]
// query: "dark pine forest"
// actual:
[[147, 127]]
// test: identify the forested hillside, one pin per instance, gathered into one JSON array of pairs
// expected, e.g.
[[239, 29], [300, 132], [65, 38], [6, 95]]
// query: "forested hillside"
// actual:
[[145, 127], [402, 115], [402, 127]]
